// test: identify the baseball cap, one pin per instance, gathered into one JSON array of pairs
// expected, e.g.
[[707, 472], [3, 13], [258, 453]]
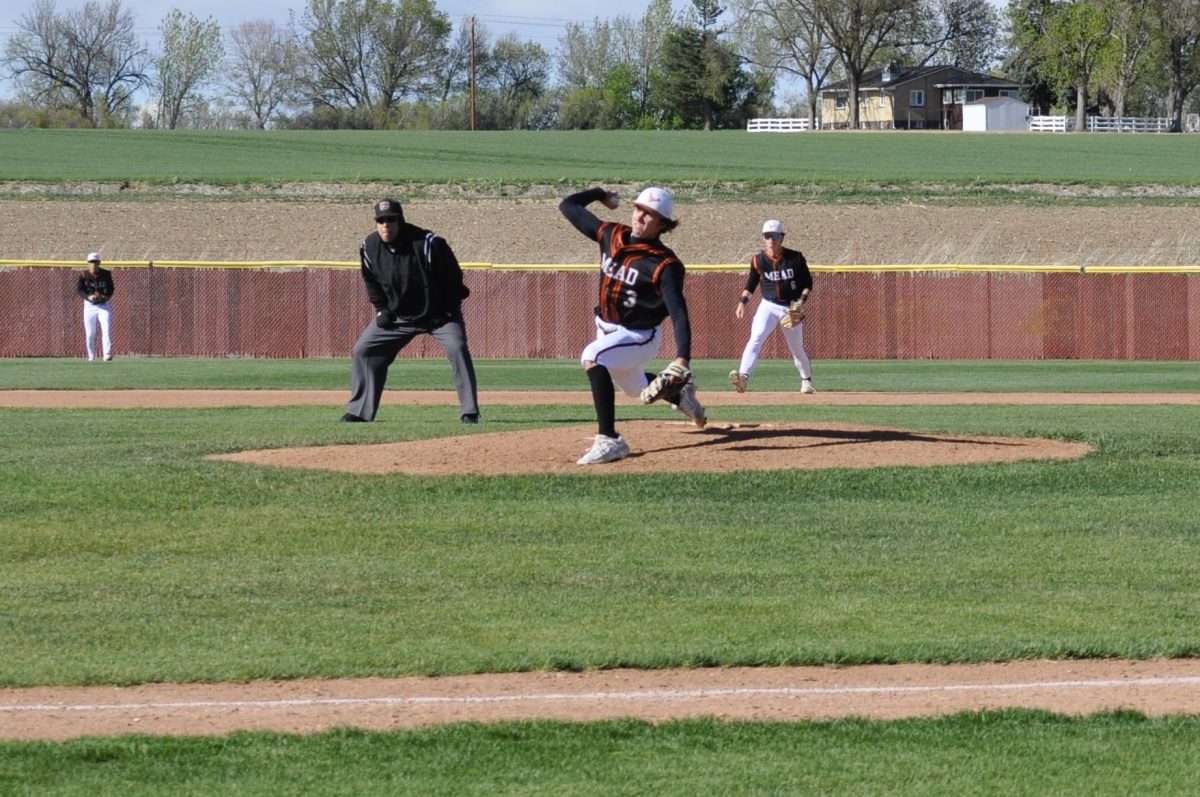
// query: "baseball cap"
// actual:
[[659, 200], [93, 257], [773, 225], [388, 209]]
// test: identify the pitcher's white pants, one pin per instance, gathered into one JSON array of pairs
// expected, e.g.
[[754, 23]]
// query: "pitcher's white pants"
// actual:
[[766, 318], [624, 352], [93, 314]]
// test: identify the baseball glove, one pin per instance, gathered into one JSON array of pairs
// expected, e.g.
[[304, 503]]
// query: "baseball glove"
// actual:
[[667, 384], [795, 314]]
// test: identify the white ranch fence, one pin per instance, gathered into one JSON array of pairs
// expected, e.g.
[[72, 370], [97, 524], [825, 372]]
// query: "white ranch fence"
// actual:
[[1101, 124], [777, 125]]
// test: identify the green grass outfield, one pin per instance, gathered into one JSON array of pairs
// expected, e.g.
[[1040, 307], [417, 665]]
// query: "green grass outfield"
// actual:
[[128, 559], [728, 164]]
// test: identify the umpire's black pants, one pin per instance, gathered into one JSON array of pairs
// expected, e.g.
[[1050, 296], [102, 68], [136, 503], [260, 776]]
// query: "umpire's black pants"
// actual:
[[377, 348]]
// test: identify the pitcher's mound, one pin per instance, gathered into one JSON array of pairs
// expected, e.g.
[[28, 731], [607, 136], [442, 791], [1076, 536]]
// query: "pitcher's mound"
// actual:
[[662, 447]]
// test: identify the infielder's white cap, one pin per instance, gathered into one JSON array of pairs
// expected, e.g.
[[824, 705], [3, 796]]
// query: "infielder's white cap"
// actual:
[[93, 257], [773, 225], [659, 200]]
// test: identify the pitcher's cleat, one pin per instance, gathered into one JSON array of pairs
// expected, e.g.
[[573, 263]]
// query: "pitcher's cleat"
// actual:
[[605, 449]]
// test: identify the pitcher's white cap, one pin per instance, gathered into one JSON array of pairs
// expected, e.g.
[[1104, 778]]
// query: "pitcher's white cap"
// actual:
[[93, 257], [773, 225], [659, 200]]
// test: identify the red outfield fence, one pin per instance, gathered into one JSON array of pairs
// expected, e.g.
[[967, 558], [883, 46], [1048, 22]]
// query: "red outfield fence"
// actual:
[[875, 312]]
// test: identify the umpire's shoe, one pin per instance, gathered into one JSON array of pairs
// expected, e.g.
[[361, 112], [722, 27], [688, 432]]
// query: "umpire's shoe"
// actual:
[[350, 418], [470, 418], [690, 406]]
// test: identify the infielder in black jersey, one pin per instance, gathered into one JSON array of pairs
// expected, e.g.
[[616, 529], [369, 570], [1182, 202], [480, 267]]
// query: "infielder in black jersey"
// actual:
[[416, 286], [641, 283], [783, 276], [95, 286]]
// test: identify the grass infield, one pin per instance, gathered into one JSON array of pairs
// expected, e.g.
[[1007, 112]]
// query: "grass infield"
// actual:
[[128, 558]]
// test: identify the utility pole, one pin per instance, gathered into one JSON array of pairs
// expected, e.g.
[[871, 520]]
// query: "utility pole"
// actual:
[[472, 73]]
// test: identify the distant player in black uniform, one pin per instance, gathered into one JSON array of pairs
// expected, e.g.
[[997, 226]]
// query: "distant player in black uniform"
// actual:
[[641, 283], [416, 286], [95, 286], [784, 277]]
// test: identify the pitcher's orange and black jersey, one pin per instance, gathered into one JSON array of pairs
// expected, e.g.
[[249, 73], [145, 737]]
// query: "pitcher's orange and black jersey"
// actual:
[[782, 282], [631, 278]]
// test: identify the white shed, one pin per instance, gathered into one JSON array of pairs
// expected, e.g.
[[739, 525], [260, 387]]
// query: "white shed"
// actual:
[[996, 113]]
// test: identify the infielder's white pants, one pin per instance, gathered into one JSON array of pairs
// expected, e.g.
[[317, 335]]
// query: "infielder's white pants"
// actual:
[[624, 352], [766, 318], [93, 314]]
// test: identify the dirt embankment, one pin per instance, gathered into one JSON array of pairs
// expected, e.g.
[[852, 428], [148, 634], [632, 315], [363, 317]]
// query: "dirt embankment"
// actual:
[[531, 230]]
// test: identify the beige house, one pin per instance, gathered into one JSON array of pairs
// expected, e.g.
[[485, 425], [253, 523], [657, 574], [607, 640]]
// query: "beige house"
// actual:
[[917, 98]]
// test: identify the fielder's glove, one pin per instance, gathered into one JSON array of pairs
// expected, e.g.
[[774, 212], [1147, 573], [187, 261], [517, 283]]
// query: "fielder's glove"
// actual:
[[667, 384], [384, 320], [795, 314]]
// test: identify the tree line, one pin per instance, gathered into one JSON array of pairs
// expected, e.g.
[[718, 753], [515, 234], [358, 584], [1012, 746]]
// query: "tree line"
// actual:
[[401, 64]]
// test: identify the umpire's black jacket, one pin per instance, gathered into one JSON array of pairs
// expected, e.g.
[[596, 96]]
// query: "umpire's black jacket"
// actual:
[[416, 278]]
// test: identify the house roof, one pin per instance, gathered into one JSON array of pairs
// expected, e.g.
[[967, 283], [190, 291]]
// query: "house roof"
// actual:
[[943, 77], [997, 101]]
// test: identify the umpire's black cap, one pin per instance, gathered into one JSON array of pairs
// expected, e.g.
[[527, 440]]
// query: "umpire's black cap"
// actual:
[[386, 209]]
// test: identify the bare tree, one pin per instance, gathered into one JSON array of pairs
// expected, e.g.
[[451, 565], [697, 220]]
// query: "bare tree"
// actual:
[[968, 33], [858, 29], [88, 59], [264, 68], [191, 52], [787, 36], [452, 73]]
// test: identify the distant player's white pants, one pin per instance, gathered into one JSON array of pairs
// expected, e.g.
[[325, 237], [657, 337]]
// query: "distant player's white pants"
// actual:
[[93, 314], [624, 352], [766, 318]]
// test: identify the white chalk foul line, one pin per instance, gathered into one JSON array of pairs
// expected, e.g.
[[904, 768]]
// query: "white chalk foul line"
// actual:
[[658, 694]]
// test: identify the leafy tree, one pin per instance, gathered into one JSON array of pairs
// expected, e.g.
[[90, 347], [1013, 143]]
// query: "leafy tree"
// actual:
[[88, 59], [612, 106], [191, 52], [1028, 20], [1128, 56], [1177, 25], [1076, 42], [514, 82], [587, 54], [264, 68], [612, 56], [702, 82], [366, 56]]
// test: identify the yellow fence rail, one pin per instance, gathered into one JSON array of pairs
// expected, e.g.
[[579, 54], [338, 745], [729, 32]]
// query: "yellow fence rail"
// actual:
[[270, 265]]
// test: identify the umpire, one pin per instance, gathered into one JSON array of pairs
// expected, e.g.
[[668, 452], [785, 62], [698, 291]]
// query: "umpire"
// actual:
[[416, 286]]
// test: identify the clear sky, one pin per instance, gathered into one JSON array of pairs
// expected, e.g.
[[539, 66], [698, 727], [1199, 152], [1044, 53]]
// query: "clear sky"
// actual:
[[542, 21]]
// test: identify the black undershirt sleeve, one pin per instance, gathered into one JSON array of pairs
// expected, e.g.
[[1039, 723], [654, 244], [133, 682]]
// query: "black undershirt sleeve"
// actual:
[[671, 283], [575, 209]]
